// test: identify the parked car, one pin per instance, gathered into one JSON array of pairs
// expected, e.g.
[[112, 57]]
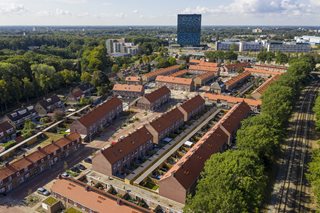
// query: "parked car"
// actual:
[[88, 160], [81, 167], [65, 175], [43, 191]]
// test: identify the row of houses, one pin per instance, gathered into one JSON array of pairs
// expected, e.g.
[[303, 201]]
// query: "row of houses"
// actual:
[[7, 131], [15, 173], [262, 72], [128, 90], [151, 76], [235, 81], [175, 83], [116, 159], [94, 121], [89, 199], [155, 99], [231, 101], [182, 178], [257, 94]]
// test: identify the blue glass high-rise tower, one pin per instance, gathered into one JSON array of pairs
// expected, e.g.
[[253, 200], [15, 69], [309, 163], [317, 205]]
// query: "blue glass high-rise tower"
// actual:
[[189, 29]]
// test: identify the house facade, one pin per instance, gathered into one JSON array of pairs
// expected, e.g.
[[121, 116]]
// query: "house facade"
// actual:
[[128, 90], [48, 105], [18, 117], [155, 99], [7, 132], [15, 173]]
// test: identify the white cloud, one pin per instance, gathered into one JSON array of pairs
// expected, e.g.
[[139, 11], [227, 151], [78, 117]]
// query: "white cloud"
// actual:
[[12, 9], [61, 12], [315, 2], [135, 11], [121, 15]]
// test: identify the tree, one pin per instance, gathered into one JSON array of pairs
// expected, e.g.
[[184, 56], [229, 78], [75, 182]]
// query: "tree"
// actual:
[[232, 181], [27, 88], [28, 129], [46, 77], [97, 78], [115, 68], [68, 76], [4, 94], [281, 58], [85, 77]]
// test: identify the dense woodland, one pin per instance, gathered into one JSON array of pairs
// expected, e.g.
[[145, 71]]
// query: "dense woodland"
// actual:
[[237, 180]]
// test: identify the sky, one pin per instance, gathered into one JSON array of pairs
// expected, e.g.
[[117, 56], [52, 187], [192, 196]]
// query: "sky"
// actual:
[[160, 12]]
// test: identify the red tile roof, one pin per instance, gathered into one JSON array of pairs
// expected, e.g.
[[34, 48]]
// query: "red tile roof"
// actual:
[[127, 145], [231, 99], [99, 112], [179, 73], [238, 78], [133, 79], [162, 71], [174, 80], [266, 85], [203, 63], [261, 71], [193, 103], [167, 120], [128, 88], [237, 65], [187, 170], [206, 75], [93, 199], [231, 121], [204, 68], [267, 66], [157, 94]]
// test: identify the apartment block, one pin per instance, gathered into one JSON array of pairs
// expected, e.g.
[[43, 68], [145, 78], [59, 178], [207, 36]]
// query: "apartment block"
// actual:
[[15, 173], [155, 99], [98, 118]]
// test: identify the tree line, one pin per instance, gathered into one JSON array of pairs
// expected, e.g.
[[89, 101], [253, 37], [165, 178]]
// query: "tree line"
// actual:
[[237, 180]]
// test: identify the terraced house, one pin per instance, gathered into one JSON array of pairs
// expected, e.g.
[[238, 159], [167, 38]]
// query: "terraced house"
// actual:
[[48, 105], [182, 178], [7, 132], [128, 90], [155, 99], [18, 117], [15, 173], [192, 107], [116, 159], [151, 76], [175, 83], [98, 118]]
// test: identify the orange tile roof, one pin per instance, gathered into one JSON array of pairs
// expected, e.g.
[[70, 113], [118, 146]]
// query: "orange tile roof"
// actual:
[[133, 78], [238, 78], [162, 71], [174, 80], [96, 114], [266, 85], [155, 95], [167, 120], [203, 63], [193, 103], [92, 199], [206, 75], [231, 99], [127, 145], [264, 72], [179, 73], [128, 88], [204, 68], [237, 65], [284, 68]]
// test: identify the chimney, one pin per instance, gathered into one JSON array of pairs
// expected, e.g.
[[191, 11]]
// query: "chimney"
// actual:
[[39, 148], [7, 164]]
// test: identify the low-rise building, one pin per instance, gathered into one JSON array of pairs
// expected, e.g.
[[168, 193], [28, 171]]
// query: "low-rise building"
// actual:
[[151, 76], [231, 101], [155, 99], [98, 118], [257, 94], [182, 178], [203, 79], [269, 67], [135, 80], [235, 81], [7, 131], [77, 194], [19, 116], [179, 73], [175, 83], [233, 68], [48, 105], [192, 107], [262, 72], [165, 124], [128, 90], [14, 174], [116, 159], [291, 47]]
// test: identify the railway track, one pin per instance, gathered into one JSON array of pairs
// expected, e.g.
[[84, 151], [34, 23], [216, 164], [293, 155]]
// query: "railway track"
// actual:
[[291, 194]]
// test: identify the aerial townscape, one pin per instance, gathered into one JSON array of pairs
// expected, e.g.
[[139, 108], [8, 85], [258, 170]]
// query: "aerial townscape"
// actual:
[[210, 108]]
